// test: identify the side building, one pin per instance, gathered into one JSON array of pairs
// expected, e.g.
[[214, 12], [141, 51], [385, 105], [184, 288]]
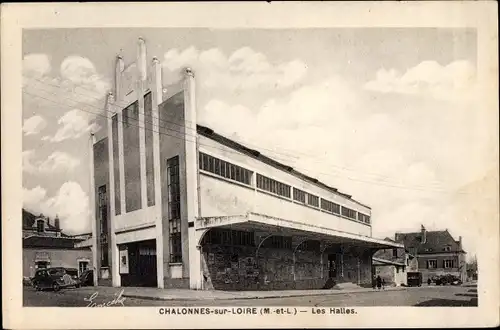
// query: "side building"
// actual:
[[46, 245], [178, 205], [393, 265], [438, 253]]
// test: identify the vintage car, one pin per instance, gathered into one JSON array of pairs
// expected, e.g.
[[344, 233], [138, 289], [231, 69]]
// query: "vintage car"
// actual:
[[55, 278], [87, 278], [447, 279]]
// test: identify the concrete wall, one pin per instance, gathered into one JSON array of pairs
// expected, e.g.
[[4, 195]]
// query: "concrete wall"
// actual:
[[220, 197], [58, 258], [215, 149], [392, 274], [171, 113], [101, 177]]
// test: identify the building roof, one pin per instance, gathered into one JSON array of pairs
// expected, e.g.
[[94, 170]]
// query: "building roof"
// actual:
[[29, 221], [49, 242], [436, 242], [381, 261], [209, 133]]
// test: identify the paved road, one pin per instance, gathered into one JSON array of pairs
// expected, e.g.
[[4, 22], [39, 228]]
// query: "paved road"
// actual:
[[424, 296]]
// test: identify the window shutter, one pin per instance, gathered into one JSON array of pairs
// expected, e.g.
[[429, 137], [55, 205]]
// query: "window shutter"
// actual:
[[444, 263]]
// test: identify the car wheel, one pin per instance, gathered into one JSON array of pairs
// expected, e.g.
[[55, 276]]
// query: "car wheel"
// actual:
[[37, 288], [77, 286], [56, 287]]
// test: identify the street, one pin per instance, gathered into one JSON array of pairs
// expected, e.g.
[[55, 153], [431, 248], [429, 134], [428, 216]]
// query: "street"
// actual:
[[424, 296]]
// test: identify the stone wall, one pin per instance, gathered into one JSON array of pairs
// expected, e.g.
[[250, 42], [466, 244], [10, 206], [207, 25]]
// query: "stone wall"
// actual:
[[228, 267]]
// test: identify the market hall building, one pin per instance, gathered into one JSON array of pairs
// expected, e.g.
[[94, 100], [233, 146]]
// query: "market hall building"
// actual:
[[178, 205]]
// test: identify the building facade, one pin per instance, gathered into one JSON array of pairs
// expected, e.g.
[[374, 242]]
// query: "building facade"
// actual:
[[45, 245], [393, 265], [178, 205], [437, 252]]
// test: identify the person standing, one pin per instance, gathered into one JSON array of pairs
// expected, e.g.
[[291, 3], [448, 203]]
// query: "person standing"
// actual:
[[379, 282]]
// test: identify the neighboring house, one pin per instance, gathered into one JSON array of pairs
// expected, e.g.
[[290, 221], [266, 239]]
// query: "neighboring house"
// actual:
[[45, 245], [438, 253], [392, 265], [177, 205]]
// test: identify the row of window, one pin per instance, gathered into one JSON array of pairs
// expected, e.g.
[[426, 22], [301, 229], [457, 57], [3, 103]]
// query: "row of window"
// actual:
[[305, 198], [224, 169], [273, 186], [237, 173], [450, 263], [174, 206]]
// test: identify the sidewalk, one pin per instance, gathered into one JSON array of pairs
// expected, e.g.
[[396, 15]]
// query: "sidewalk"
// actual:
[[190, 295]]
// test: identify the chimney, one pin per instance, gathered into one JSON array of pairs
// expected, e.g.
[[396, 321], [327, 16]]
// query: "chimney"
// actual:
[[460, 243], [56, 223], [48, 221], [397, 236], [424, 235]]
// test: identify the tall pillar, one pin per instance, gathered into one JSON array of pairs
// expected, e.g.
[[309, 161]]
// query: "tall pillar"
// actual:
[[115, 276], [157, 98], [192, 207], [93, 219], [141, 78]]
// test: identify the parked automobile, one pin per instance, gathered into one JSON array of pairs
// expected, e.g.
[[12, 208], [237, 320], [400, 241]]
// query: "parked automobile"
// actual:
[[414, 278], [87, 278], [55, 278], [447, 279]]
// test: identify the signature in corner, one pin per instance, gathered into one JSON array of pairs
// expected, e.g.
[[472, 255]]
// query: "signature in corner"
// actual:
[[118, 300]]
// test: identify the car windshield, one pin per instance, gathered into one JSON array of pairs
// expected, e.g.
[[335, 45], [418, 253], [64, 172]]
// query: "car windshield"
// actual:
[[56, 272]]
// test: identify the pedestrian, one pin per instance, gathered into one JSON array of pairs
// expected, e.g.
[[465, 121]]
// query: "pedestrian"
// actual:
[[379, 282], [374, 282], [383, 284], [429, 281]]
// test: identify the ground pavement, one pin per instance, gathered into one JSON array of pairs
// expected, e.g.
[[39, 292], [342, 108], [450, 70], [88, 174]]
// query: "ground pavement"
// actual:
[[465, 295]]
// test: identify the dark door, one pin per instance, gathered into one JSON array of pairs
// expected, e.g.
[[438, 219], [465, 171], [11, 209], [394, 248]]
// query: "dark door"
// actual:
[[332, 266]]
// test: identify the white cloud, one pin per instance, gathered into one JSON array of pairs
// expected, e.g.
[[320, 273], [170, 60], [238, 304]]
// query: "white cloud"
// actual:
[[27, 158], [57, 162], [70, 203], [35, 66], [78, 86], [34, 125], [72, 125], [33, 199], [454, 81], [82, 74], [244, 68]]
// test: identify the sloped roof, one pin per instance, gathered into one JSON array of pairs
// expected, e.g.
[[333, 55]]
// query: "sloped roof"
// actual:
[[209, 133], [49, 242], [436, 242], [29, 220]]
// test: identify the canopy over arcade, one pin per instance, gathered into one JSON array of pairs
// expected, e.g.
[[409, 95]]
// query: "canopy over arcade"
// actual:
[[273, 225]]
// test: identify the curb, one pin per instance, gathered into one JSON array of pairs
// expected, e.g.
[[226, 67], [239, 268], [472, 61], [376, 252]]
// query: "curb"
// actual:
[[138, 296]]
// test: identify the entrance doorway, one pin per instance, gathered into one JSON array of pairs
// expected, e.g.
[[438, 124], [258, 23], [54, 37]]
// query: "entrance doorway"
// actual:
[[138, 264], [83, 265], [332, 266]]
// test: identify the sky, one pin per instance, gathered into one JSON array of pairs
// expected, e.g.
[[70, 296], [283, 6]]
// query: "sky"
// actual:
[[390, 116]]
